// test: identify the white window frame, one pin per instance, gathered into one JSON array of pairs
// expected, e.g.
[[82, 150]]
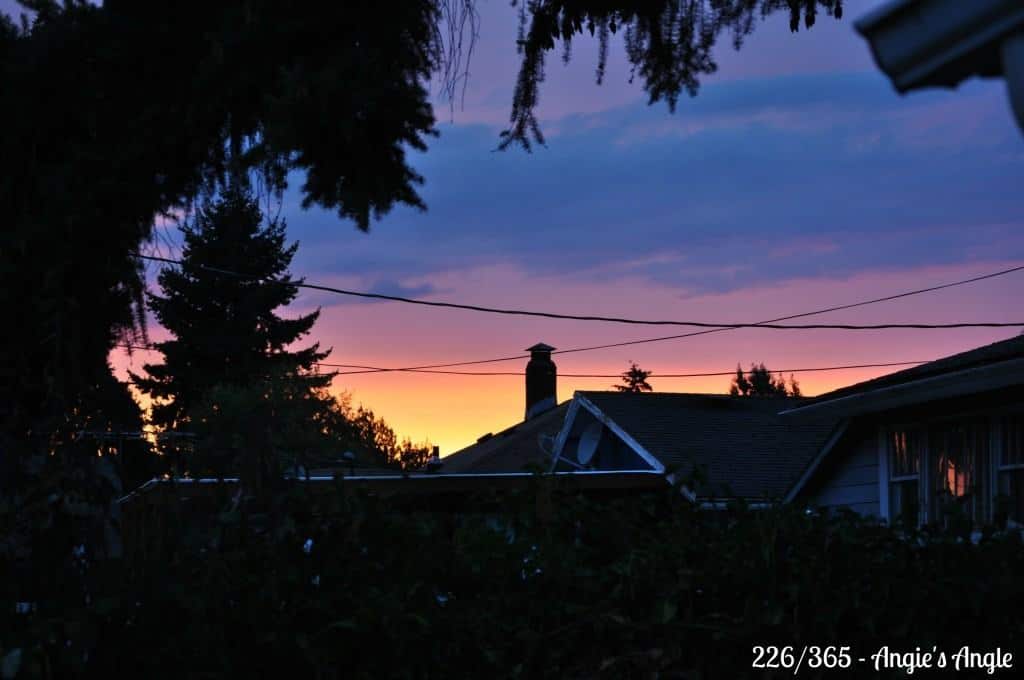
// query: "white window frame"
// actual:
[[997, 456], [887, 479], [991, 420]]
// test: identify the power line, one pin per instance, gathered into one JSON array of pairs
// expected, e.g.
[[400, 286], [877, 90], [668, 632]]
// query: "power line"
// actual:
[[362, 369], [519, 357], [626, 343], [584, 317], [372, 369], [825, 310]]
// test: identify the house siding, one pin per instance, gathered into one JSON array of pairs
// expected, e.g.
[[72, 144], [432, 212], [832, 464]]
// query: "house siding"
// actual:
[[853, 481]]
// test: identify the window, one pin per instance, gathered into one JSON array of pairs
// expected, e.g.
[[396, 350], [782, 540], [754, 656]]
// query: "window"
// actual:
[[959, 472], [1009, 505], [905, 452], [958, 458]]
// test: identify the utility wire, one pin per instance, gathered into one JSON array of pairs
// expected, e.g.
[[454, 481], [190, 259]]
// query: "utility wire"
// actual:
[[825, 310], [582, 317], [376, 369], [519, 357], [626, 343], [653, 374]]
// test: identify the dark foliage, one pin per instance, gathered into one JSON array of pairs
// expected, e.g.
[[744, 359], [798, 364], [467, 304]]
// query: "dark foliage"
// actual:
[[668, 43], [113, 424], [115, 113], [538, 584], [118, 112], [374, 435], [264, 431], [759, 382]]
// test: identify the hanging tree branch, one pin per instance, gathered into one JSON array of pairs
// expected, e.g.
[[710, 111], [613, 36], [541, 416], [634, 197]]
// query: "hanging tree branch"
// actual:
[[668, 43]]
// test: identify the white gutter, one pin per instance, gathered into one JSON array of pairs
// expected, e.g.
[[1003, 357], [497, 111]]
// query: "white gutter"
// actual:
[[707, 504], [417, 476], [928, 43]]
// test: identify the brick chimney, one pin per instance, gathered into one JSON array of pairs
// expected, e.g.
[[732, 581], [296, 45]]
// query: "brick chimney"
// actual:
[[541, 378]]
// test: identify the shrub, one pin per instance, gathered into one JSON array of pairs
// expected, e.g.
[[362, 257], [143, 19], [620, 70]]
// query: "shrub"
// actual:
[[542, 583]]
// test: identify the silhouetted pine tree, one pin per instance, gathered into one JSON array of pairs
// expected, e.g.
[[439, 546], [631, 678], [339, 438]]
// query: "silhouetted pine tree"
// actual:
[[634, 380], [226, 331]]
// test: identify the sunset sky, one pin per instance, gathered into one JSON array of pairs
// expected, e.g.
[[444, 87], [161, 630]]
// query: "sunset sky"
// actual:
[[796, 179]]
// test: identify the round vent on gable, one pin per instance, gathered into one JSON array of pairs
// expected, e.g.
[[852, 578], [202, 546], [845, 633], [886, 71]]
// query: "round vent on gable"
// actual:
[[589, 440]]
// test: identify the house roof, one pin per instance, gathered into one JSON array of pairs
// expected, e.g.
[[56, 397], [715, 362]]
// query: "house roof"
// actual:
[[996, 352], [512, 450], [746, 449]]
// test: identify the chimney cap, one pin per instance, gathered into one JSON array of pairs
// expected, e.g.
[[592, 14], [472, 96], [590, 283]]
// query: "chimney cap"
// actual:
[[540, 347]]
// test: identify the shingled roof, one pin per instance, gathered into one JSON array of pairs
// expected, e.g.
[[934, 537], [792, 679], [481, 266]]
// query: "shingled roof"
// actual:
[[1003, 350], [514, 449], [743, 445]]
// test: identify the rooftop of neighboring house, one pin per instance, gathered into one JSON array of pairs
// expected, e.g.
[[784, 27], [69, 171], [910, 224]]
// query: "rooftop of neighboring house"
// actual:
[[521, 447], [744, 448], [996, 366], [1013, 348]]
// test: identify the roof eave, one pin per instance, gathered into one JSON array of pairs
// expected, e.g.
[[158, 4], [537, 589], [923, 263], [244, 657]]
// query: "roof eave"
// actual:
[[949, 385], [928, 43], [812, 468]]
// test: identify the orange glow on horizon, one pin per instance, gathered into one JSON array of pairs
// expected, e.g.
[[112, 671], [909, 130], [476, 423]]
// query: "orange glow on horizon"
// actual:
[[454, 411]]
